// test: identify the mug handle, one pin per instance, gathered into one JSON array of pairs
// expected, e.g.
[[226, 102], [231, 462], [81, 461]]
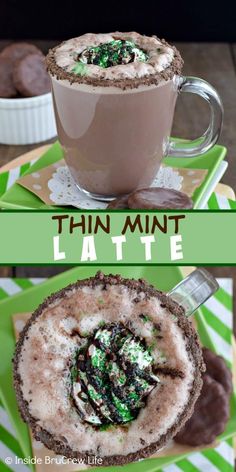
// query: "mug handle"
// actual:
[[194, 290], [210, 136]]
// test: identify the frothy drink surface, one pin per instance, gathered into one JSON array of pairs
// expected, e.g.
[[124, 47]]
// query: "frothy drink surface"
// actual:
[[113, 140], [114, 98]]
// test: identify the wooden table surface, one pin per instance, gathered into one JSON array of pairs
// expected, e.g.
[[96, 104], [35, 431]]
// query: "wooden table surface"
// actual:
[[214, 62]]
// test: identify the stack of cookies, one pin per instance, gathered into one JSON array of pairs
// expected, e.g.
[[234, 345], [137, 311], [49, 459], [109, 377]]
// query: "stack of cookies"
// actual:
[[212, 409], [22, 71]]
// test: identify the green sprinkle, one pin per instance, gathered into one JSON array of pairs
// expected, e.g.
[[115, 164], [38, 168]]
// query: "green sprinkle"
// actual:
[[104, 336], [151, 347], [80, 68], [145, 318], [133, 396], [82, 375], [101, 323], [74, 373], [93, 394], [106, 427], [117, 373], [84, 334], [162, 356], [133, 351], [155, 331], [98, 357], [142, 383], [122, 409]]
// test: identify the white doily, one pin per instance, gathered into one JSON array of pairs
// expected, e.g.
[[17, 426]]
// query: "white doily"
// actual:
[[65, 192], [167, 177]]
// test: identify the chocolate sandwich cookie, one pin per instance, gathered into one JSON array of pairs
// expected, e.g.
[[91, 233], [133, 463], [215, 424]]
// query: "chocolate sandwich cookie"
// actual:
[[16, 51], [7, 87], [211, 413], [157, 198], [30, 76], [119, 203], [218, 370]]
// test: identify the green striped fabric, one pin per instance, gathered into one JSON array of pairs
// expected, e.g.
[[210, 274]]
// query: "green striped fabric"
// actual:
[[9, 445], [219, 202], [7, 179], [10, 286], [217, 313]]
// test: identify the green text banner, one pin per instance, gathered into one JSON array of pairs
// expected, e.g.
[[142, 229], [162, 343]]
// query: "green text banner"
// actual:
[[99, 237]]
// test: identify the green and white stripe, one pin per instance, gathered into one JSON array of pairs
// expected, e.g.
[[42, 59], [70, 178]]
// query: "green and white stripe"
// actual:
[[219, 202], [9, 445], [211, 460], [9, 286], [217, 314], [7, 179]]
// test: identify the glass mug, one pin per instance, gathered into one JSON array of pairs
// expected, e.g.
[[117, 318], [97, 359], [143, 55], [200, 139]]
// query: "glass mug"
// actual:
[[114, 140], [194, 290]]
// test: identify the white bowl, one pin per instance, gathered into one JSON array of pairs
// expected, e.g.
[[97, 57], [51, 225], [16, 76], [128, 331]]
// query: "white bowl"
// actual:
[[27, 120]]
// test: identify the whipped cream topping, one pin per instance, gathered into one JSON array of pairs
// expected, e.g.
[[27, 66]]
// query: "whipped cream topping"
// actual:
[[159, 56], [112, 376]]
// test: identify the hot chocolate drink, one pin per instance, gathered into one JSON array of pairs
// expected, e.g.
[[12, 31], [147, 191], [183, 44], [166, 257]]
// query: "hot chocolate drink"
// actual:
[[109, 367], [114, 99]]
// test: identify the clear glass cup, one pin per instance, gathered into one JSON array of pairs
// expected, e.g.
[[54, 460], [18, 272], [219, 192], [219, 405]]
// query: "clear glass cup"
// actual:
[[114, 140]]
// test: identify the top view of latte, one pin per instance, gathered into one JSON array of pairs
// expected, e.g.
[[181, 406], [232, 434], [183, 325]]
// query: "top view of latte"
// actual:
[[108, 367], [114, 56]]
